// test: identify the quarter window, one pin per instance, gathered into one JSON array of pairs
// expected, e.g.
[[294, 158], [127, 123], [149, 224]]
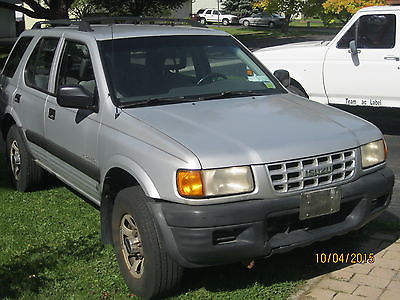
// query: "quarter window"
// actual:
[[376, 31], [37, 70], [16, 56], [76, 67]]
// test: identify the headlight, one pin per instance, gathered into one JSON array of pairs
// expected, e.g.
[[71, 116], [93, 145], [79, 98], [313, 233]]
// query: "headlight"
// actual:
[[373, 153], [214, 182]]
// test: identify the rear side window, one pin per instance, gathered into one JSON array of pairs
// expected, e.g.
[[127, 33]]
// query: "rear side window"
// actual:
[[16, 56], [37, 70], [376, 31]]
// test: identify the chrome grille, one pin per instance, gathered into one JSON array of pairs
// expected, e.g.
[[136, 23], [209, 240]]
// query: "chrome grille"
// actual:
[[297, 175]]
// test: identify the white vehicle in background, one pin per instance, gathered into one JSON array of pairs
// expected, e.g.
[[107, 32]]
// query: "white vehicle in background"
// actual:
[[357, 71], [209, 15]]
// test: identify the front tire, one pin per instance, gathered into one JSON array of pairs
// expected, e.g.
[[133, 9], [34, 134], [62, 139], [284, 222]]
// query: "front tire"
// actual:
[[246, 23], [146, 267], [271, 25], [225, 22], [26, 174]]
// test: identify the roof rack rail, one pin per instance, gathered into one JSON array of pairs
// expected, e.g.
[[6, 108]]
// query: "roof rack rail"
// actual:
[[143, 20], [84, 23]]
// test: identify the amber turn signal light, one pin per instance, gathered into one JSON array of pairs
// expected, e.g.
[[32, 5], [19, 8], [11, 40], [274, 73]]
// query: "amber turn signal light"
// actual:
[[190, 183]]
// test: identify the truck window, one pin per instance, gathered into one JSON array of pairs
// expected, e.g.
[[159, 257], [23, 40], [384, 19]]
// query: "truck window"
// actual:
[[376, 31], [76, 67], [37, 70], [16, 56]]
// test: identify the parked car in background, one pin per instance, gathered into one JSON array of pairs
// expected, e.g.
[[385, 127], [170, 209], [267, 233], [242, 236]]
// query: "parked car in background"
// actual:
[[216, 16], [196, 16], [263, 19]]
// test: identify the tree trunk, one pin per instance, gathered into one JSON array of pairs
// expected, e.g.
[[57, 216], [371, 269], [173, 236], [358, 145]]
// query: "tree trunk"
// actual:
[[285, 26]]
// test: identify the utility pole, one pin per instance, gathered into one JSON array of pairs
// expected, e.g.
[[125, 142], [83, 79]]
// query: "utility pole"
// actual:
[[218, 10]]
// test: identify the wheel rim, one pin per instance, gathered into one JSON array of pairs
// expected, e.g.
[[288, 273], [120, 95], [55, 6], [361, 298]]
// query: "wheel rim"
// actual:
[[246, 23], [15, 160], [131, 245]]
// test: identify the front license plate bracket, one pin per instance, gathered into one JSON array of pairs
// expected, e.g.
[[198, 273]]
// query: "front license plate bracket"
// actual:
[[319, 203]]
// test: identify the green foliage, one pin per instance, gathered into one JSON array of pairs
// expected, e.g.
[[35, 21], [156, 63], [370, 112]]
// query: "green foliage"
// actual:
[[288, 7], [240, 8], [136, 8], [344, 9]]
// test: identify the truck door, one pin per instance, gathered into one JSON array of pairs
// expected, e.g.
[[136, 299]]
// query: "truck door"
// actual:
[[71, 133], [370, 75]]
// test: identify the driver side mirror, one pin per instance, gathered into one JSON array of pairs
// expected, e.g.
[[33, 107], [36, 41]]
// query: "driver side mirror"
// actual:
[[283, 76], [353, 48], [75, 96]]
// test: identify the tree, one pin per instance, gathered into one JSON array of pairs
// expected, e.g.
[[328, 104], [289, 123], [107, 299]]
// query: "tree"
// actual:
[[58, 9], [240, 8], [138, 7], [288, 7], [41, 9], [344, 9]]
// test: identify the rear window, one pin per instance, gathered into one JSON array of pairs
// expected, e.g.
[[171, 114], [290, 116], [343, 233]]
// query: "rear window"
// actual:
[[37, 70], [16, 56]]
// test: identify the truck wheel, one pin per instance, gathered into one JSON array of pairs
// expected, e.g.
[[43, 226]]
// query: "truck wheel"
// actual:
[[203, 21], [225, 22], [146, 267], [298, 91], [26, 174], [271, 25], [246, 23]]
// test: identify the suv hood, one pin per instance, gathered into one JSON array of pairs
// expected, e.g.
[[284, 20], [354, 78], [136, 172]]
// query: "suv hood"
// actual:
[[280, 55], [303, 45], [257, 130]]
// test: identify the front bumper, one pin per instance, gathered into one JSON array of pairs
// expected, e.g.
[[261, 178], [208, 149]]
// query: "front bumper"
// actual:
[[207, 235]]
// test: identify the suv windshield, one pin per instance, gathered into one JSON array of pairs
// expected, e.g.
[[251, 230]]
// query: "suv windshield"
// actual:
[[182, 68]]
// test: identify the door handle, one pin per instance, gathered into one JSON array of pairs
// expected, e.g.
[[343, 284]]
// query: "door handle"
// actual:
[[392, 58], [17, 98], [52, 113]]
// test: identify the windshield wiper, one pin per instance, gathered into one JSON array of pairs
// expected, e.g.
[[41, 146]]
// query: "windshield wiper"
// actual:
[[230, 94], [158, 101]]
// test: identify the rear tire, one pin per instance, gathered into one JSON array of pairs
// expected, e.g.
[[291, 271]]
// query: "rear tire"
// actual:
[[271, 25], [146, 267], [26, 174], [203, 21], [246, 23]]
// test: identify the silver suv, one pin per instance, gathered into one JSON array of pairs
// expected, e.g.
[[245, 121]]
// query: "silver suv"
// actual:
[[195, 154]]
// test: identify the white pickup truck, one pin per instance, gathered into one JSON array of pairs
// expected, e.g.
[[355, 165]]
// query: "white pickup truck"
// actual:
[[358, 70]]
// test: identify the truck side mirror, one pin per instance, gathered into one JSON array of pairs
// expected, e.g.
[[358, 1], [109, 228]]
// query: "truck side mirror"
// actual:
[[75, 96], [283, 76], [353, 48]]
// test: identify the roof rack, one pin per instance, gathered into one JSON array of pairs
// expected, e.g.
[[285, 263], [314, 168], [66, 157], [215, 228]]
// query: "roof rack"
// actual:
[[84, 23], [143, 20]]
